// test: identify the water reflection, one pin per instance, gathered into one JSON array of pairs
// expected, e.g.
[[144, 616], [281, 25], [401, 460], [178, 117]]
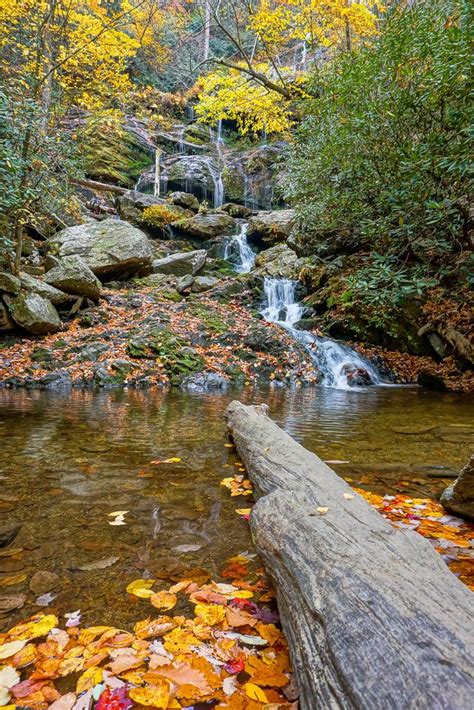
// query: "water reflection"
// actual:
[[68, 460]]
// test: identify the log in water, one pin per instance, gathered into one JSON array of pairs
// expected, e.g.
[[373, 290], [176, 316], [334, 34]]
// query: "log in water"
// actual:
[[373, 616]]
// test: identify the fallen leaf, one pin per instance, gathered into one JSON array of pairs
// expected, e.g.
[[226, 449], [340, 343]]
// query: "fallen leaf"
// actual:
[[65, 702], [211, 614], [255, 693], [45, 599], [99, 564], [157, 695], [141, 588], [73, 618], [117, 512], [348, 496], [13, 579], [9, 649], [164, 601], [9, 677]]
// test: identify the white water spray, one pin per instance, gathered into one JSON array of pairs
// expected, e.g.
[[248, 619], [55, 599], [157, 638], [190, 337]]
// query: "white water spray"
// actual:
[[238, 246], [341, 367]]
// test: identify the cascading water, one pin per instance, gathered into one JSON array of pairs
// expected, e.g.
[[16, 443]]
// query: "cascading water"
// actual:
[[238, 251], [341, 367]]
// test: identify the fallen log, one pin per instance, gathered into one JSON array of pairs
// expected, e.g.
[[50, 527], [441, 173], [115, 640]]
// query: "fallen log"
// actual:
[[101, 186], [373, 616]]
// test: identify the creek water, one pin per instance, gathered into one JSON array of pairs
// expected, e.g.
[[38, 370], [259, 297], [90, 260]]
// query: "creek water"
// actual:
[[70, 459]]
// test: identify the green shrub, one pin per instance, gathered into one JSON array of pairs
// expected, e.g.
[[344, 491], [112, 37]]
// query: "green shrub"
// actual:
[[382, 156]]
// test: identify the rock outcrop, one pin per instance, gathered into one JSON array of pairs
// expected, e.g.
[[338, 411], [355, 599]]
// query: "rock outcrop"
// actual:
[[45, 290], [181, 263], [459, 497], [35, 314], [75, 277], [112, 248], [270, 227], [206, 226], [278, 262]]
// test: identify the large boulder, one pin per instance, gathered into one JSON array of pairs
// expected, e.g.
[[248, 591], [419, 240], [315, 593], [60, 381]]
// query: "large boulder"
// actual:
[[35, 314], [6, 323], [459, 497], [74, 276], [180, 263], [278, 262], [133, 204], [206, 226], [203, 283], [111, 249], [9, 283], [45, 290], [183, 199], [271, 227]]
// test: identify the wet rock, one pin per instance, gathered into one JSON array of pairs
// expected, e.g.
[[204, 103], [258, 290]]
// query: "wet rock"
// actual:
[[183, 199], [50, 262], [132, 204], [44, 581], [356, 376], [6, 323], [278, 262], [206, 226], [10, 602], [203, 283], [92, 351], [45, 290], [431, 381], [34, 313], [74, 276], [8, 532], [112, 248], [181, 263], [60, 379], [236, 210], [271, 227], [184, 283], [205, 382], [459, 497], [9, 283]]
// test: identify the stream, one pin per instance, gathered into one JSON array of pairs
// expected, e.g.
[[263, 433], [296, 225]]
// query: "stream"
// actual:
[[88, 454]]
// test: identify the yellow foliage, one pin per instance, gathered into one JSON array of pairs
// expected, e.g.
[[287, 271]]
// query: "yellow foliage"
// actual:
[[159, 216]]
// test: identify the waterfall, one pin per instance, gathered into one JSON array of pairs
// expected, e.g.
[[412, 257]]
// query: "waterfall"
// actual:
[[219, 139], [237, 246], [156, 182], [341, 367], [181, 146]]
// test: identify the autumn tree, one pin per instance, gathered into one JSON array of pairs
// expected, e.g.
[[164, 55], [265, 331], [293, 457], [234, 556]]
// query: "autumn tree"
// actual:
[[54, 55]]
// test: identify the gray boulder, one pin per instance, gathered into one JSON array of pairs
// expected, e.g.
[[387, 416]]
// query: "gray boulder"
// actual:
[[35, 314], [203, 283], [206, 226], [6, 323], [57, 297], [132, 204], [271, 227], [111, 249], [181, 263], [183, 199], [278, 262], [74, 276], [9, 283], [205, 382], [459, 497], [184, 283]]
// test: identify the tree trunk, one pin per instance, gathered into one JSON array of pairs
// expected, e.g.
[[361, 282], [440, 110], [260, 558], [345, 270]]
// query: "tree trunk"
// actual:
[[373, 616], [101, 186]]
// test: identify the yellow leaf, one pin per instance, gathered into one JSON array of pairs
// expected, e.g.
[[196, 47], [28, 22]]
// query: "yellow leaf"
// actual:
[[13, 579], [141, 588], [243, 511], [39, 626], [255, 693], [241, 594], [157, 695], [164, 600], [91, 677], [212, 614]]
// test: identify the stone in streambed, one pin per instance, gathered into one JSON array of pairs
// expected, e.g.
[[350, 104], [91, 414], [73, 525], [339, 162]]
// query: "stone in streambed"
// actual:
[[459, 497], [278, 262], [181, 263], [183, 199], [44, 581], [75, 277], [184, 283], [8, 532], [271, 227], [33, 313], [205, 382]]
